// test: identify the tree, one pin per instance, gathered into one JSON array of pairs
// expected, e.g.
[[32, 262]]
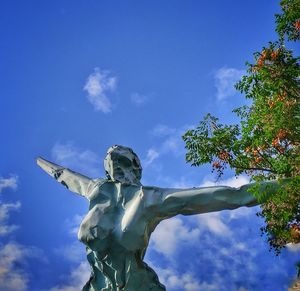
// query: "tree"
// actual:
[[266, 143]]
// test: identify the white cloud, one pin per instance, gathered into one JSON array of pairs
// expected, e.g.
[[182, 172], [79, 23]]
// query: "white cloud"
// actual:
[[72, 225], [13, 256], [213, 223], [173, 280], [225, 79], [243, 212], [6, 229], [68, 155], [173, 144], [293, 247], [235, 182], [13, 259], [98, 85], [219, 243], [181, 183], [138, 99], [170, 140], [211, 254], [177, 281], [78, 277], [12, 278], [222, 246], [5, 209], [162, 130], [11, 183], [152, 155], [74, 252], [170, 233]]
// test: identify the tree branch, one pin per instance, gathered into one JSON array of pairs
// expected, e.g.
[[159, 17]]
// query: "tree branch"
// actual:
[[253, 169]]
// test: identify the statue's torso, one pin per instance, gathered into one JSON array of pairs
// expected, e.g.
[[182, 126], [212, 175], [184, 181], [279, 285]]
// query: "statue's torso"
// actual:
[[118, 215], [117, 229]]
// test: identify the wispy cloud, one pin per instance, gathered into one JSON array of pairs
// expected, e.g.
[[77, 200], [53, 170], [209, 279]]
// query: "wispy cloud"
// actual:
[[98, 85], [219, 246], [170, 234], [231, 182], [180, 182], [78, 277], [72, 225], [9, 183], [213, 222], [13, 256], [69, 155], [161, 130], [293, 247], [218, 242], [74, 253], [13, 261], [168, 140], [11, 276], [171, 138], [139, 99], [183, 281], [225, 79], [151, 156], [5, 209]]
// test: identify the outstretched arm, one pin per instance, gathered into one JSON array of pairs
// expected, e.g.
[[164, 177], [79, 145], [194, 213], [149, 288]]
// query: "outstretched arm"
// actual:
[[75, 182], [208, 199]]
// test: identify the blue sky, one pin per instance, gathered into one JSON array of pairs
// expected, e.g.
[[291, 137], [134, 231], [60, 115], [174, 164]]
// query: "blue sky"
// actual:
[[80, 76]]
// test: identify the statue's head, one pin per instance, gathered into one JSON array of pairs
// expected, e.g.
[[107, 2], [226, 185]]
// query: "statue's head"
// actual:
[[123, 165]]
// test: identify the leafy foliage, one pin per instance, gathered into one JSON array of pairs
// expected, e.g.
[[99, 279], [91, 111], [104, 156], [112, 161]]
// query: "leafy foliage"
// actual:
[[266, 143], [288, 23]]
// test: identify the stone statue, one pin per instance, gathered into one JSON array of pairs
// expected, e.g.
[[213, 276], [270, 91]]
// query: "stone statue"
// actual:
[[123, 213]]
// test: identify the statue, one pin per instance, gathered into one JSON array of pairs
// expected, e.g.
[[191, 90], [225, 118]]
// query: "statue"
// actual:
[[123, 213]]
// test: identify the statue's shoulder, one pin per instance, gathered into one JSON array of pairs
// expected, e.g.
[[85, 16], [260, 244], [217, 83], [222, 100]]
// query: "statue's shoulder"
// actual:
[[152, 195], [151, 188], [99, 181], [95, 187]]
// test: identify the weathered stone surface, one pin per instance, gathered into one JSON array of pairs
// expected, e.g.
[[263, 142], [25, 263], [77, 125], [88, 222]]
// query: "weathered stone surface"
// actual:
[[123, 213]]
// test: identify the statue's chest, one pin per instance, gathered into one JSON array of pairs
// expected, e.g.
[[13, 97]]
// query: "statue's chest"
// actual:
[[134, 224], [101, 220], [133, 213], [120, 211]]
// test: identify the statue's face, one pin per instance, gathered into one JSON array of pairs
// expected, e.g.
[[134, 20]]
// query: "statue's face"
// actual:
[[123, 165]]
